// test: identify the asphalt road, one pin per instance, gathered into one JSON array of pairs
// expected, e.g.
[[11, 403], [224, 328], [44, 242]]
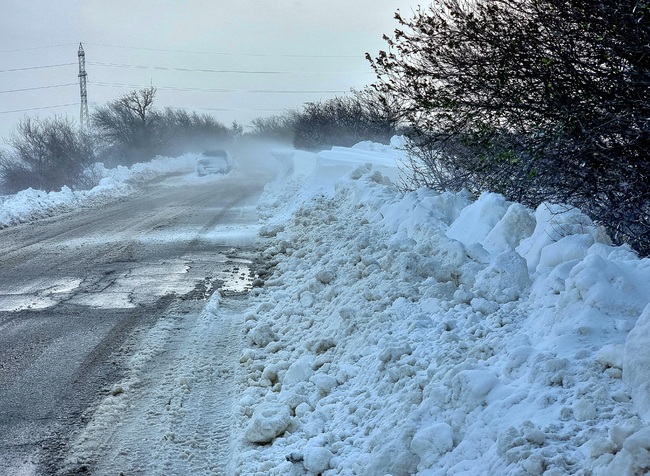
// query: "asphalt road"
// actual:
[[77, 289]]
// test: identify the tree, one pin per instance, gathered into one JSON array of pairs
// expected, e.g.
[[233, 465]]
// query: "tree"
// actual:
[[236, 129], [537, 99], [129, 127], [47, 154]]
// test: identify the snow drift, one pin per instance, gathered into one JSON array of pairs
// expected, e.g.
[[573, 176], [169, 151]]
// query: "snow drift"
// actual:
[[439, 334]]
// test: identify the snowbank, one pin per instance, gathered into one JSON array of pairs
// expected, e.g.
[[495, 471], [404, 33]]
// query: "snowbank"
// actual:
[[28, 205], [435, 334]]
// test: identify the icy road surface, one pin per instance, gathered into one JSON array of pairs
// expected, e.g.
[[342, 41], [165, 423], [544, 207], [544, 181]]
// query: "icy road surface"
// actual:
[[79, 292]]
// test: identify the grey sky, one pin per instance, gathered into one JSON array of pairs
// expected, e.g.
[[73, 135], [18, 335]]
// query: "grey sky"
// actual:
[[184, 48]]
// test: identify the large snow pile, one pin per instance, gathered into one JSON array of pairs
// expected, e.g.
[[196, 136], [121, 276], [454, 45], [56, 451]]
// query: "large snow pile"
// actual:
[[438, 334], [30, 204]]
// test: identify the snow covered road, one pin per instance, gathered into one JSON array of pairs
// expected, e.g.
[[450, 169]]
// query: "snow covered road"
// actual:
[[77, 291], [173, 411]]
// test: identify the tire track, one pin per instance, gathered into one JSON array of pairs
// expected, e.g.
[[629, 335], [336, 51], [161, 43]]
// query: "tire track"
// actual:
[[175, 409]]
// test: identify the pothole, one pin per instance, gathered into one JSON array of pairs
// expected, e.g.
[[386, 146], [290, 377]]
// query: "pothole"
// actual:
[[230, 277], [238, 277]]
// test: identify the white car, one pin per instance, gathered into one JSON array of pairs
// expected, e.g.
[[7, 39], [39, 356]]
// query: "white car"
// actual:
[[216, 161]]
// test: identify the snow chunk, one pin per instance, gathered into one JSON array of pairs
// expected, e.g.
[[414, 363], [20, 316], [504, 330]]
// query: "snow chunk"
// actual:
[[555, 222], [478, 219], [300, 371], [633, 459], [611, 355], [269, 420], [262, 334], [574, 247], [422, 209], [504, 280], [636, 362], [606, 285], [432, 441], [325, 276], [517, 224], [317, 459], [470, 387], [394, 353]]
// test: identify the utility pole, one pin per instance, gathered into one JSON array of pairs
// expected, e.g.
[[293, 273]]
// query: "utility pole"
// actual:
[[83, 114]]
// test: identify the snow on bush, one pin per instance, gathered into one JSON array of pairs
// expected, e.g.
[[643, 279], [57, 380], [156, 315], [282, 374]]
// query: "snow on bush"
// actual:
[[437, 334]]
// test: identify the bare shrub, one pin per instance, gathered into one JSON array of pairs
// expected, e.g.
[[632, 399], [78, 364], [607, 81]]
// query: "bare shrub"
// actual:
[[128, 129], [344, 121], [280, 127], [47, 154], [183, 131], [537, 99]]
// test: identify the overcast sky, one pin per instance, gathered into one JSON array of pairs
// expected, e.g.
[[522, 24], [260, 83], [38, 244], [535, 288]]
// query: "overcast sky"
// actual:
[[235, 59]]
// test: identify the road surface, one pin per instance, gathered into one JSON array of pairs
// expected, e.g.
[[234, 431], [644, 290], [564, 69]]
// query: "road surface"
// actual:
[[76, 291]]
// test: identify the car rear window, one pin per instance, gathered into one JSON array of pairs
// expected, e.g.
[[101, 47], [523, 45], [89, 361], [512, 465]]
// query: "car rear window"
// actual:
[[215, 153]]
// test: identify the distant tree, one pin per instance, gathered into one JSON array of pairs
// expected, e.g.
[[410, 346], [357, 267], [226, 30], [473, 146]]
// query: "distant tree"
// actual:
[[344, 121], [46, 155], [537, 99], [236, 129], [279, 127], [129, 127], [190, 132]]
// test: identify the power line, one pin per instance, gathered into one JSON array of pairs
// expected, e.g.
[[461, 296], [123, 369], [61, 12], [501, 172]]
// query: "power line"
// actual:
[[225, 109], [39, 108], [38, 87], [191, 108], [36, 48], [198, 52], [235, 71], [35, 67], [214, 90], [180, 69], [216, 53]]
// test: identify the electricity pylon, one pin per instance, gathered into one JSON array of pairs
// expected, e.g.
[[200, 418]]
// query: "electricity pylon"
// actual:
[[83, 114]]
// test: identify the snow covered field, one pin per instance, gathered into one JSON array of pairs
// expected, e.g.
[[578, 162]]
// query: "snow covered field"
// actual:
[[419, 333]]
